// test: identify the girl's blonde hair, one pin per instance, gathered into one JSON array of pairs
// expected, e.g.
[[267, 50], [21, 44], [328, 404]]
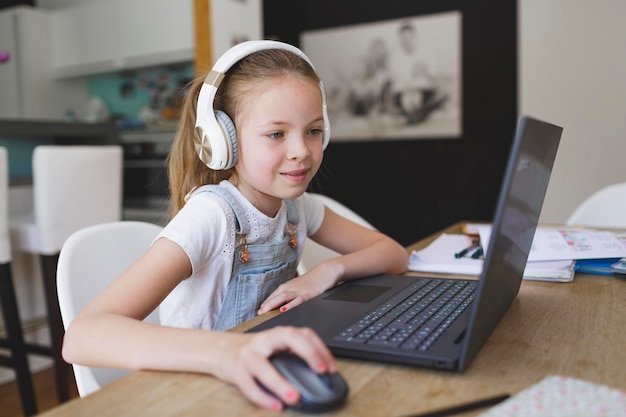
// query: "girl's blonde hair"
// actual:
[[244, 78]]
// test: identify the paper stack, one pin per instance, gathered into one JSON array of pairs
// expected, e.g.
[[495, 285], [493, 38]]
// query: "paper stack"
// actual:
[[553, 256], [439, 257]]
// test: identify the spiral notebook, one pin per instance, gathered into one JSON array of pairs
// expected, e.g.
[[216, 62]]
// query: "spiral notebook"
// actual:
[[563, 396]]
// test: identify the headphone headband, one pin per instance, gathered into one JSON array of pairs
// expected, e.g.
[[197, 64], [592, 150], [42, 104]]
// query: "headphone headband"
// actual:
[[214, 145]]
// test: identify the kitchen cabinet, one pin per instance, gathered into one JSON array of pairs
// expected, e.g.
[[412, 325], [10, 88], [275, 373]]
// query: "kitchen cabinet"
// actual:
[[157, 31], [28, 88], [111, 35], [85, 38]]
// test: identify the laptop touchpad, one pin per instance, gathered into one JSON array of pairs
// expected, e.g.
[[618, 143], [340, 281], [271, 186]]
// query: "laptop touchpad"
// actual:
[[357, 293]]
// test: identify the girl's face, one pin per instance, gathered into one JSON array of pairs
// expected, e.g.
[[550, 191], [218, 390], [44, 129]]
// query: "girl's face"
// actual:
[[280, 131]]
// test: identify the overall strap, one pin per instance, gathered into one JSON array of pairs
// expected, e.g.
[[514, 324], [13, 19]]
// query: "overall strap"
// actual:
[[292, 212], [242, 227]]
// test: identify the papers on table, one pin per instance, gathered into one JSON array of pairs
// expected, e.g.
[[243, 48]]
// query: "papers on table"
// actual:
[[553, 255], [554, 243], [439, 257]]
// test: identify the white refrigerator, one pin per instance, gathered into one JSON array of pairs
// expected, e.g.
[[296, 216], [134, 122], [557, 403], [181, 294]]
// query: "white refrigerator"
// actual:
[[28, 89]]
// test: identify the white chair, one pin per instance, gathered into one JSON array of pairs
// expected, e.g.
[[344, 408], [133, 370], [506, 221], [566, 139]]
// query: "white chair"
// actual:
[[74, 186], [604, 208], [90, 259], [13, 339], [314, 253]]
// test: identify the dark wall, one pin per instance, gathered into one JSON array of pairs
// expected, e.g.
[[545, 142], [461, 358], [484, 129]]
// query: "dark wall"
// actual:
[[412, 188], [11, 3]]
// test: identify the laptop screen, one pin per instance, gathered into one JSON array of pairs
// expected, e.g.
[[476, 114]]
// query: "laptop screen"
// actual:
[[517, 213]]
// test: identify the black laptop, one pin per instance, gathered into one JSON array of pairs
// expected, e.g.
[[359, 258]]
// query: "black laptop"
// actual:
[[441, 322]]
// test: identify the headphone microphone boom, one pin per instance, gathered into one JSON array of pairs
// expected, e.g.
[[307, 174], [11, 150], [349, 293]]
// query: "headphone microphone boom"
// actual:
[[216, 136]]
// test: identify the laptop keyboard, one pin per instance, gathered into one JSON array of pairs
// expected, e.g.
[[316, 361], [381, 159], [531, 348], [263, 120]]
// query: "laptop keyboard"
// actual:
[[414, 318]]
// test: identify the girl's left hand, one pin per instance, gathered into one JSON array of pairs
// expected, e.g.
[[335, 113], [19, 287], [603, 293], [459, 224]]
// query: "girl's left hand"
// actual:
[[295, 292]]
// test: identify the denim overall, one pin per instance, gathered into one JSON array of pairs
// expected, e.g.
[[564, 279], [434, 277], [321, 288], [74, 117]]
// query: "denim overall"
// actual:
[[258, 269]]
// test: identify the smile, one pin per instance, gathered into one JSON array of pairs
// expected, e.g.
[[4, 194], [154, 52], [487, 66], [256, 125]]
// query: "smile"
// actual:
[[296, 174]]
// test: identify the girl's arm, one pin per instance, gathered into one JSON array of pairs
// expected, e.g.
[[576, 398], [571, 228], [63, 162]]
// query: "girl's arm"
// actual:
[[365, 252], [109, 333]]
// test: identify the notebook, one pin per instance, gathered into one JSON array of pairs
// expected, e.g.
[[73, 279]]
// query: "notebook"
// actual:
[[353, 317]]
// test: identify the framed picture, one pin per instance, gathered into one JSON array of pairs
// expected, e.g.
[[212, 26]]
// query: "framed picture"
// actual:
[[451, 160], [392, 79]]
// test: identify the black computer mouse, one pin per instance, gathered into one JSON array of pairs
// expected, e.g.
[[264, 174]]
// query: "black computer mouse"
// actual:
[[319, 393]]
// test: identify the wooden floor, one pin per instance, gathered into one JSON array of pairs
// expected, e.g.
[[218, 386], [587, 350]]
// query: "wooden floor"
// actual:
[[45, 392]]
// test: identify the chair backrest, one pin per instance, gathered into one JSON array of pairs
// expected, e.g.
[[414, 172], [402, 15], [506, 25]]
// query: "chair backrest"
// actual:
[[5, 243], [314, 253], [604, 208], [90, 259], [74, 186]]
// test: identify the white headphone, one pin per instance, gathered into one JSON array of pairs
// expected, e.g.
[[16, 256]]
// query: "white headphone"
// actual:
[[216, 137]]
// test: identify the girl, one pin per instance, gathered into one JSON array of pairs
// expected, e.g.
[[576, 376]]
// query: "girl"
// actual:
[[250, 140]]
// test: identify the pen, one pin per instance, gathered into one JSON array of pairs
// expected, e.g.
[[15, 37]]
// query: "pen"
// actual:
[[467, 249], [462, 408], [478, 253]]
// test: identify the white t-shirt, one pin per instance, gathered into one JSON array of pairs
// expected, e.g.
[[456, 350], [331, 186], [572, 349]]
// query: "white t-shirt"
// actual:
[[205, 229]]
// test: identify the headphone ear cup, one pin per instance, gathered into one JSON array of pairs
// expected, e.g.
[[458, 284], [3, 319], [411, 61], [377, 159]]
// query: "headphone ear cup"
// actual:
[[230, 133]]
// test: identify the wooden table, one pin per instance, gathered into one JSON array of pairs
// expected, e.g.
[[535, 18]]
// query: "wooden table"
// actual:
[[575, 329]]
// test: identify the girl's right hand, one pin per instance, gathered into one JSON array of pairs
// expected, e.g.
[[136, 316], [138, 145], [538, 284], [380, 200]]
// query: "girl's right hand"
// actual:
[[245, 362]]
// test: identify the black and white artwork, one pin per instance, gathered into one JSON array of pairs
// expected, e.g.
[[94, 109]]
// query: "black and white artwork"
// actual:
[[394, 79]]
